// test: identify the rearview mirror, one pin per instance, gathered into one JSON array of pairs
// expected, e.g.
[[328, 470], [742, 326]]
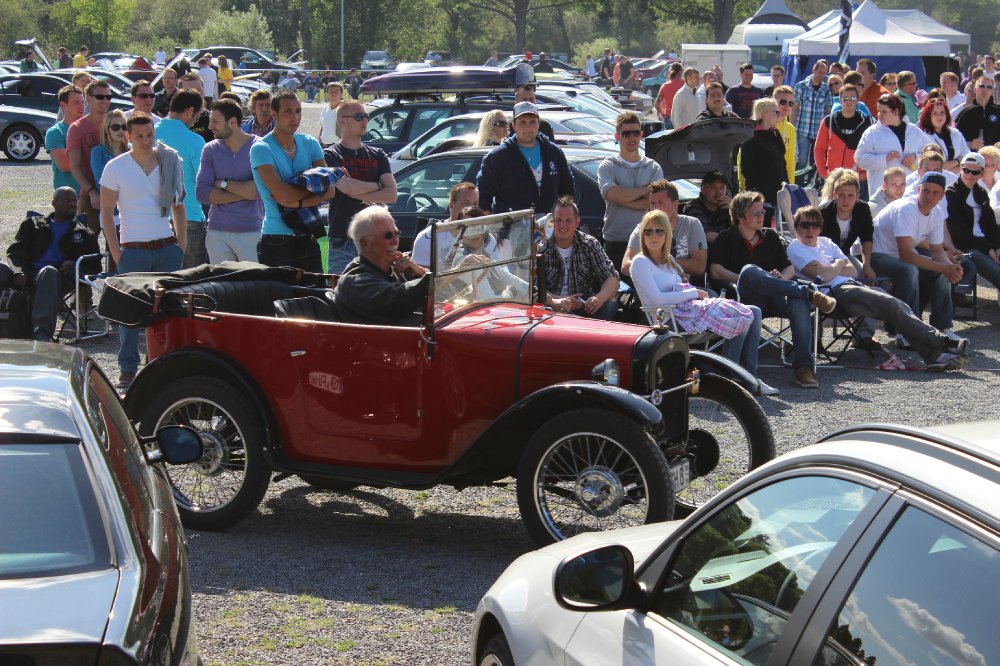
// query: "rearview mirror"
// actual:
[[601, 579], [176, 445]]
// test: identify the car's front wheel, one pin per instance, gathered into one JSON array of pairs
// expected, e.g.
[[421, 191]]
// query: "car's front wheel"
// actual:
[[591, 470], [21, 143], [231, 478], [496, 652]]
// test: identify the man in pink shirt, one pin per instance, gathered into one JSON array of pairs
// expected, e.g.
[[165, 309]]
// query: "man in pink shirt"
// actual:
[[82, 136]]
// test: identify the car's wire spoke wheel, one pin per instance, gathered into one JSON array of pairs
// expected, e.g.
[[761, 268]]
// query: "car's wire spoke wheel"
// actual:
[[230, 479], [728, 434], [591, 470]]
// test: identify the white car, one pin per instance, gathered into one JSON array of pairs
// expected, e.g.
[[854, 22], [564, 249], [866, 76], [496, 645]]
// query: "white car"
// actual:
[[879, 546]]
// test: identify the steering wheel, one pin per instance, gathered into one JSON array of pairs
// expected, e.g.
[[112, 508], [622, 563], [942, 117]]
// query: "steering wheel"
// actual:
[[414, 197], [377, 134]]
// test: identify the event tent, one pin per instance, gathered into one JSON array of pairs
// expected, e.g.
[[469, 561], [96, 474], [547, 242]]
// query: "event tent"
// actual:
[[916, 22], [873, 35], [776, 12]]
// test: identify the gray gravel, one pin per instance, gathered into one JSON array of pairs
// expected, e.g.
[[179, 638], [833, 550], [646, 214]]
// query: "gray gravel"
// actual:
[[393, 577]]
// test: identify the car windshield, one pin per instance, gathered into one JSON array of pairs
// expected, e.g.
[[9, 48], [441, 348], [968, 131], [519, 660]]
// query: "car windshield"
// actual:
[[588, 125], [51, 523], [376, 55], [483, 259]]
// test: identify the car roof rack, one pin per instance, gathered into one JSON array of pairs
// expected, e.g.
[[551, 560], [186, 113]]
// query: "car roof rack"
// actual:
[[439, 80]]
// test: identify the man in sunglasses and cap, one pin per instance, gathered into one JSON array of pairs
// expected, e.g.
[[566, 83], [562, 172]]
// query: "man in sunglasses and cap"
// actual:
[[979, 122], [369, 180]]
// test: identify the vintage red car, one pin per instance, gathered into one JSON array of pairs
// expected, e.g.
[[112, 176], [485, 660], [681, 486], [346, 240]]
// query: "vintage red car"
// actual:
[[603, 424]]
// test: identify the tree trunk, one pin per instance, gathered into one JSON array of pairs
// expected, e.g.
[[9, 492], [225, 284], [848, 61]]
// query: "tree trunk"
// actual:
[[305, 30], [561, 22], [723, 20], [521, 9]]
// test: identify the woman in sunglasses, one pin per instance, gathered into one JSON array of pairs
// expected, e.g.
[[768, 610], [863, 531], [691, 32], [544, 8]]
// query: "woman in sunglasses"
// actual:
[[493, 129], [890, 142], [762, 158], [935, 121], [658, 281], [113, 143], [840, 133]]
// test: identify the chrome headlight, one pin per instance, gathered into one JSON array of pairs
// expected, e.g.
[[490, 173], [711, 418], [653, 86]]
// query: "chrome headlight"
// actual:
[[606, 371]]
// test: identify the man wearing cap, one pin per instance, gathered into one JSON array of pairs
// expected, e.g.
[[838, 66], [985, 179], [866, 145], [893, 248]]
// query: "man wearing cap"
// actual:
[[712, 205], [526, 93], [979, 122], [972, 222], [526, 170], [899, 228]]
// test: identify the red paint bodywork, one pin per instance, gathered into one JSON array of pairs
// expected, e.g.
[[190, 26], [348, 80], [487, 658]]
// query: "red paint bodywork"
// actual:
[[373, 397]]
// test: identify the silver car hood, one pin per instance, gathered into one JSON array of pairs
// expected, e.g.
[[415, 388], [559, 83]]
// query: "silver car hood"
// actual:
[[60, 609], [641, 541]]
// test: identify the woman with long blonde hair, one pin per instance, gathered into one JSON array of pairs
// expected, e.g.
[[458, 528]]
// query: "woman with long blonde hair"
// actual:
[[658, 280], [493, 129], [113, 142]]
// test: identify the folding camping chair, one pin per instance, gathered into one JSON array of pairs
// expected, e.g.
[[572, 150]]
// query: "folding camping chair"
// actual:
[[790, 198], [79, 306]]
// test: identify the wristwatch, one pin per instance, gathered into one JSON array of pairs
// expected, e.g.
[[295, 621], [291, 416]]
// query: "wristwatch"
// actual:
[[224, 184]]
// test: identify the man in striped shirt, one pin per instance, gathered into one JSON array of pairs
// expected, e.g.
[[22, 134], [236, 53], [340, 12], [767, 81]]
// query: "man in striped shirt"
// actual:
[[813, 102]]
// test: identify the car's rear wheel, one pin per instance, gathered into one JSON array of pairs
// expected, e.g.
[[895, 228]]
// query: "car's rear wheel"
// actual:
[[496, 652], [590, 470], [729, 435], [21, 143], [231, 478]]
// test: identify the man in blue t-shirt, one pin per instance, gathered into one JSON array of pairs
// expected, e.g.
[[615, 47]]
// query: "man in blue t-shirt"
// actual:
[[280, 155], [42, 257], [175, 131], [71, 103]]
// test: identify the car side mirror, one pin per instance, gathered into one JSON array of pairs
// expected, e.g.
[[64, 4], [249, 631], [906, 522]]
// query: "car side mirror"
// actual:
[[597, 580], [176, 445]]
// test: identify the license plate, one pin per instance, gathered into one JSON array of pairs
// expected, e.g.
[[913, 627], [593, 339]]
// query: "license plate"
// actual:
[[680, 475]]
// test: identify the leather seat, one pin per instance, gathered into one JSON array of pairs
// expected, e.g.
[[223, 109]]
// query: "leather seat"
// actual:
[[307, 307], [249, 297]]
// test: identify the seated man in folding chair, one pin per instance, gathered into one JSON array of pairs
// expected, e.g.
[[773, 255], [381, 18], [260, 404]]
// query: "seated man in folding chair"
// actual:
[[818, 257], [754, 259]]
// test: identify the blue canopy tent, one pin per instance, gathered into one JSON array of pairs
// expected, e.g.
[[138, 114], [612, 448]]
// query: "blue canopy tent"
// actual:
[[872, 36]]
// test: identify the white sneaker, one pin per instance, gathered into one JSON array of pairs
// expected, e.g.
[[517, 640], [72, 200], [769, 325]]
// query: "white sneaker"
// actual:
[[765, 389], [902, 342], [952, 334]]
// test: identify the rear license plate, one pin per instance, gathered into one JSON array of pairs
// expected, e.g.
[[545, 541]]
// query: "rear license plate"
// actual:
[[680, 475]]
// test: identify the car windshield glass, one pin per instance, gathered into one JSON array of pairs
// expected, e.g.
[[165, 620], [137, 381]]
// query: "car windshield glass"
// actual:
[[456, 128], [51, 523], [589, 167], [589, 125], [483, 259]]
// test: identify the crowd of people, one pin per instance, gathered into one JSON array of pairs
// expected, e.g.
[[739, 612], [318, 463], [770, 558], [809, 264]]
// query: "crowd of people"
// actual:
[[910, 195]]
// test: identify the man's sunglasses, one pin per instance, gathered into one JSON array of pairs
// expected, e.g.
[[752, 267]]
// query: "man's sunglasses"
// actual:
[[116, 127], [358, 116], [786, 102], [845, 100], [104, 97], [654, 232], [757, 213], [972, 172], [145, 95], [389, 235], [984, 86], [810, 225], [630, 134]]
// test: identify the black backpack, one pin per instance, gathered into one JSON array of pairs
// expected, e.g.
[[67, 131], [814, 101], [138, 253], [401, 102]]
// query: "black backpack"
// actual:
[[15, 318]]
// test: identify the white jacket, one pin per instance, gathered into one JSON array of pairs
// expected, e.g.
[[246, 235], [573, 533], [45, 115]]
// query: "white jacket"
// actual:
[[686, 107], [958, 143], [878, 141]]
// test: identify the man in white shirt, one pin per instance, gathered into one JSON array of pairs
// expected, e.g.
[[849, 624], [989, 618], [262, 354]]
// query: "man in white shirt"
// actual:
[[955, 99], [149, 242], [899, 229], [818, 257], [209, 78], [160, 57], [687, 104], [462, 196]]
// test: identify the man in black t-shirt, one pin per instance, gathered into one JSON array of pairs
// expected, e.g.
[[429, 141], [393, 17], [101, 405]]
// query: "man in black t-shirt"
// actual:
[[369, 180], [743, 96]]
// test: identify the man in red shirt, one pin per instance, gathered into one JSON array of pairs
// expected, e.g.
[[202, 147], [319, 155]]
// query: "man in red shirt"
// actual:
[[81, 137], [665, 98]]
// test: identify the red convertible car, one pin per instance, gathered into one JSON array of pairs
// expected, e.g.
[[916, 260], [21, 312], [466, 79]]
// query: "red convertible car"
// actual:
[[603, 424]]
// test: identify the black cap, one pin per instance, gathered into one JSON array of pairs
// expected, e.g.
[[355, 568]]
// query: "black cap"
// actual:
[[714, 177]]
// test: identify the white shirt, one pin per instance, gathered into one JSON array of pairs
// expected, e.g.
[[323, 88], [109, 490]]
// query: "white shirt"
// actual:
[[977, 212], [902, 218], [421, 253], [567, 257], [657, 284], [956, 103], [825, 252], [160, 58], [211, 81], [138, 199], [156, 118], [328, 120]]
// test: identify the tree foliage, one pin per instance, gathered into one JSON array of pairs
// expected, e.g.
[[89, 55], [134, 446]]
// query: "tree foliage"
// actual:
[[235, 27], [102, 21]]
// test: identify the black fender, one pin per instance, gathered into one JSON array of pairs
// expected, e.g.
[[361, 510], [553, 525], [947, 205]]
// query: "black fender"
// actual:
[[199, 361], [496, 452], [709, 363]]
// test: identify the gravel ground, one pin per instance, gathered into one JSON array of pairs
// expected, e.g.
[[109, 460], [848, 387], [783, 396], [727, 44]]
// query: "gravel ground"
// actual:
[[393, 577]]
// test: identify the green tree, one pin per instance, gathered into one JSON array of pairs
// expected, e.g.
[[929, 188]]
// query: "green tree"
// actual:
[[20, 21], [236, 28], [517, 12], [718, 14], [104, 20]]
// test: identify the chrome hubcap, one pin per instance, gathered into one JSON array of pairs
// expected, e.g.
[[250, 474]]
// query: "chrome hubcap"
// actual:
[[600, 490]]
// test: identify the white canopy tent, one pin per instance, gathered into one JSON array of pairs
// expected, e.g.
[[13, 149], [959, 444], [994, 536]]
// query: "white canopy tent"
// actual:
[[921, 24]]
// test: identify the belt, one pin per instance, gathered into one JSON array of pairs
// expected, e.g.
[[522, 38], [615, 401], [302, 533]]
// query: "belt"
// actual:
[[157, 244]]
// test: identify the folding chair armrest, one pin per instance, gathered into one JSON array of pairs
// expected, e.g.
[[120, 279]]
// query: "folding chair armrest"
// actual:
[[78, 266], [659, 316]]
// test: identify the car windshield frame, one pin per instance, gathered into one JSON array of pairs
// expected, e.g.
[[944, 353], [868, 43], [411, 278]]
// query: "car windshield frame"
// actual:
[[511, 236]]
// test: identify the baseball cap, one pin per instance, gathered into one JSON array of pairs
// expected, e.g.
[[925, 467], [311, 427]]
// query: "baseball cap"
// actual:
[[974, 158], [934, 178], [522, 108], [714, 177]]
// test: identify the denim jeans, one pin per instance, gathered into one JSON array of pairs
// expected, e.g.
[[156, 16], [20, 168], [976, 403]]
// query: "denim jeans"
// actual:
[[195, 254], [783, 298], [803, 150], [295, 251], [906, 281], [743, 348], [166, 259], [606, 312], [986, 267], [342, 252]]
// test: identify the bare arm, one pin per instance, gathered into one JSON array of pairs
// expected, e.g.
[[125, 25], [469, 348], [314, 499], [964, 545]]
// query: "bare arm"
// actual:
[[244, 189], [179, 217], [61, 157], [109, 199], [721, 273], [286, 194], [836, 269], [938, 262], [76, 167], [388, 193], [627, 261], [695, 263]]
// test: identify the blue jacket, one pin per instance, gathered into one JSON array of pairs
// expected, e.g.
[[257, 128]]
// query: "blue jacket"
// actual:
[[506, 183]]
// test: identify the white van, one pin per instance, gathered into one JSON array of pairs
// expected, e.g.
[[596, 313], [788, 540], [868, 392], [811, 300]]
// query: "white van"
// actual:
[[765, 41], [727, 56]]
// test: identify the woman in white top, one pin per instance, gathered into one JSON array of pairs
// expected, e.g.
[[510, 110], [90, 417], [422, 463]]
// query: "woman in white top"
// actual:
[[890, 142], [935, 121], [657, 279]]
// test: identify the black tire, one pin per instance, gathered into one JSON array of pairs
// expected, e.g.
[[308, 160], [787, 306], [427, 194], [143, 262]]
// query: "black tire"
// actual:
[[230, 480], [496, 652], [21, 143], [730, 435], [333, 485], [628, 476]]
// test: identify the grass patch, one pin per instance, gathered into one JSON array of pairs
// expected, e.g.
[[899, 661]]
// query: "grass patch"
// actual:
[[312, 603], [345, 645]]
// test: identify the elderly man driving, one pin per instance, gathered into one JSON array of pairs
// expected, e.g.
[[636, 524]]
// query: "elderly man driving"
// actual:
[[381, 285]]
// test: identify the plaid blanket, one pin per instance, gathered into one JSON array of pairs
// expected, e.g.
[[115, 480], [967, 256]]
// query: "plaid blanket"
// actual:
[[316, 180]]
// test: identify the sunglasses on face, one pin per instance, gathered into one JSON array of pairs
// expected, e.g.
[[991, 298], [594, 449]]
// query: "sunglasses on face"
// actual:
[[145, 95], [630, 134], [984, 86], [786, 102], [501, 123], [810, 225], [972, 172], [116, 127], [358, 116], [757, 213], [389, 235], [845, 100], [104, 97], [654, 232]]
